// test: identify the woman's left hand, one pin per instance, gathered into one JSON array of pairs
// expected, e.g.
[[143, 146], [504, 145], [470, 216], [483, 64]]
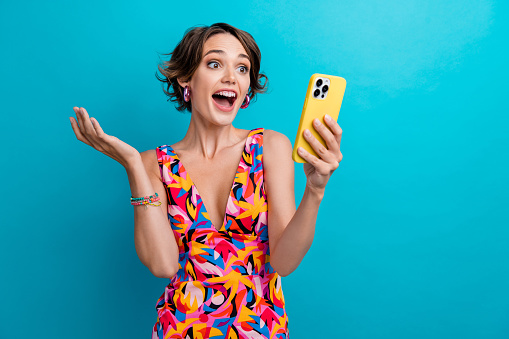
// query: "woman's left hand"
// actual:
[[319, 170]]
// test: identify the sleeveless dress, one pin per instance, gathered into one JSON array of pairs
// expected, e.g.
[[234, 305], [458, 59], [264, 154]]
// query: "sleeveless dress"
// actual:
[[225, 286]]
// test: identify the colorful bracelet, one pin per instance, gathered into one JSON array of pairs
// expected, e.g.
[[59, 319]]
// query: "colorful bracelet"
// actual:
[[144, 198], [148, 200]]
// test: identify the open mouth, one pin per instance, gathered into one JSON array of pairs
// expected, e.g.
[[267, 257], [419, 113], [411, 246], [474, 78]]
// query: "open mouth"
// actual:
[[225, 99]]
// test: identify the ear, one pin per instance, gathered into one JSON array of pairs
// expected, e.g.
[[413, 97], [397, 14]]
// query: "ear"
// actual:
[[182, 83]]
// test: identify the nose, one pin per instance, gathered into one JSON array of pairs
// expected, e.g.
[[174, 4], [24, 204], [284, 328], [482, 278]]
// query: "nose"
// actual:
[[229, 75]]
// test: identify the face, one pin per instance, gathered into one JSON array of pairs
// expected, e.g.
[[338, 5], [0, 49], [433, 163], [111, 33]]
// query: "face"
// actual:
[[224, 69]]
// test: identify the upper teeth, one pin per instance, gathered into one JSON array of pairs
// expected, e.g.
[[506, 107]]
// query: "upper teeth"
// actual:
[[226, 94]]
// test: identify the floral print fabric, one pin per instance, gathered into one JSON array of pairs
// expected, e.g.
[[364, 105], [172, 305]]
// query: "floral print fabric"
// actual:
[[225, 286]]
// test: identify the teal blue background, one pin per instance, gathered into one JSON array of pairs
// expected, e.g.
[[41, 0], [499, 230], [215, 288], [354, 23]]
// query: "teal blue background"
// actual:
[[412, 235]]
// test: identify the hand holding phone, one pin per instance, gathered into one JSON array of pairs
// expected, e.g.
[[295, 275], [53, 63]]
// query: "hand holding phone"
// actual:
[[324, 96]]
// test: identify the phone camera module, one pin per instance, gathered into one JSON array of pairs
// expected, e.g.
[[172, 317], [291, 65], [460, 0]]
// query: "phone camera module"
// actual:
[[320, 88]]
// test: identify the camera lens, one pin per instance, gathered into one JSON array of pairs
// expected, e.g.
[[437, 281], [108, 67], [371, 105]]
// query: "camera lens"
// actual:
[[325, 88], [317, 92], [319, 82]]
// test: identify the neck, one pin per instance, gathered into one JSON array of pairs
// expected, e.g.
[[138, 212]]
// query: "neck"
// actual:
[[207, 139]]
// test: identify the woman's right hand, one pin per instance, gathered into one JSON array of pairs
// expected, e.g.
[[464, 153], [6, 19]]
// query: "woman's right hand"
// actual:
[[90, 132]]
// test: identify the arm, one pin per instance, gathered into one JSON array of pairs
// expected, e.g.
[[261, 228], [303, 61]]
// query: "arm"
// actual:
[[153, 238], [291, 231], [297, 236]]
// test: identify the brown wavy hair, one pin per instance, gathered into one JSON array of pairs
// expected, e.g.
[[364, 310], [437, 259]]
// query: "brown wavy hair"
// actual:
[[186, 58]]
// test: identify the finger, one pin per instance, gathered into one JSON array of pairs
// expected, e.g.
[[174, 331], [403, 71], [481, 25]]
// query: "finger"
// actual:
[[330, 140], [97, 127], [101, 143], [334, 126], [310, 158], [77, 132], [318, 147], [89, 129], [79, 119]]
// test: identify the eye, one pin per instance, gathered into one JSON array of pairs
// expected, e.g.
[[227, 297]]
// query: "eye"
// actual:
[[214, 62], [244, 69]]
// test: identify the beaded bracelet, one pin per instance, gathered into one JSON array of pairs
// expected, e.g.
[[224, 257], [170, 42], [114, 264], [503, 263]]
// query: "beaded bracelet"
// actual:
[[148, 200], [144, 198]]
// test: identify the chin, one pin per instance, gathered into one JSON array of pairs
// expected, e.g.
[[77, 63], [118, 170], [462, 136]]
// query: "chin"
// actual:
[[220, 118]]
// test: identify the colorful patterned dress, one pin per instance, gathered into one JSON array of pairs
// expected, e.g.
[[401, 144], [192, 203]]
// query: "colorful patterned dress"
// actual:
[[225, 286]]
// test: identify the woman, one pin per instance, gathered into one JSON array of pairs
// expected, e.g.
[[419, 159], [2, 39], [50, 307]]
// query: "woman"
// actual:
[[224, 247]]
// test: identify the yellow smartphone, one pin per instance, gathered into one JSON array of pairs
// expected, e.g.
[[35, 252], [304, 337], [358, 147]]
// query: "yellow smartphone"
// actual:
[[324, 96]]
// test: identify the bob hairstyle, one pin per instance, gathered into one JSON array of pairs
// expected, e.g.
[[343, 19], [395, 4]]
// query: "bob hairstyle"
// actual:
[[186, 58]]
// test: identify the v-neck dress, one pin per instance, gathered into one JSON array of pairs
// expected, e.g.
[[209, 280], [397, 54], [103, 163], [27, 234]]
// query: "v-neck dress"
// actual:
[[225, 286]]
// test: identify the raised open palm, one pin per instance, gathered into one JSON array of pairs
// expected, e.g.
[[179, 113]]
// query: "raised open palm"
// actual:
[[90, 132]]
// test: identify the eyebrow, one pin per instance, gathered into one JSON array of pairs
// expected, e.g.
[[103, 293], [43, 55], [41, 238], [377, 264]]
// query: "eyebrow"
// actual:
[[223, 52]]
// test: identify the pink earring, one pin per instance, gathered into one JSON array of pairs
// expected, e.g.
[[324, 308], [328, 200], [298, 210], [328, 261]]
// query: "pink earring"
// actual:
[[244, 105], [187, 94]]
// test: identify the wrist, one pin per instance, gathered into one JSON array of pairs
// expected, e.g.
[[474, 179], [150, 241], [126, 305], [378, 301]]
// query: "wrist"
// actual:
[[315, 193]]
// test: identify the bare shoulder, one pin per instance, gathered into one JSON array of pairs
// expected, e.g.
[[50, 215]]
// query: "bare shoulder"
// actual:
[[276, 145]]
